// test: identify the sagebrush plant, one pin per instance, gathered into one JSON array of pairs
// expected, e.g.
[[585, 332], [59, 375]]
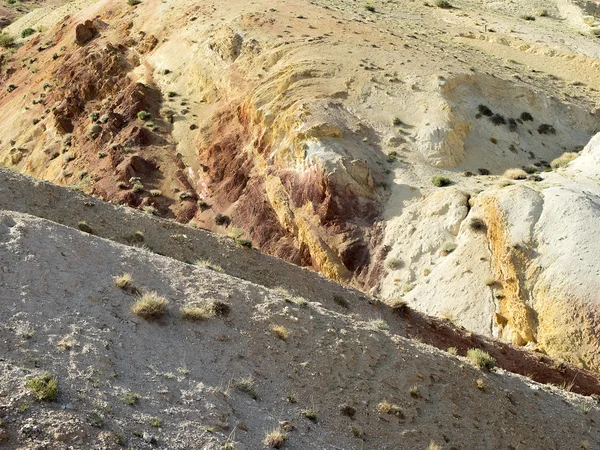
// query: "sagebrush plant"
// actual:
[[440, 181], [44, 387], [481, 359], [150, 306]]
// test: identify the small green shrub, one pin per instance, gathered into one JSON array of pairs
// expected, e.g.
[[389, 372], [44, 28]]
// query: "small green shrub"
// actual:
[[131, 398], [133, 2], [143, 115], [27, 32], [154, 422], [440, 181], [310, 414], [6, 40], [44, 387], [370, 8], [481, 359]]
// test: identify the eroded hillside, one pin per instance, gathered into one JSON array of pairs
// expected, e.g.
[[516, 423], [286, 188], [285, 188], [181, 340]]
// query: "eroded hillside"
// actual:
[[315, 129]]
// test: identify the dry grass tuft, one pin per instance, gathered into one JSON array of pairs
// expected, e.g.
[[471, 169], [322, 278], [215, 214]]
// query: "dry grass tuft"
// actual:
[[197, 313], [150, 306], [280, 331], [563, 160], [124, 281], [275, 439], [386, 407], [515, 174]]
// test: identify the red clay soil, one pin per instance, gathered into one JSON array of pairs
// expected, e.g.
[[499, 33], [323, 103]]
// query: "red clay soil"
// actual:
[[442, 334]]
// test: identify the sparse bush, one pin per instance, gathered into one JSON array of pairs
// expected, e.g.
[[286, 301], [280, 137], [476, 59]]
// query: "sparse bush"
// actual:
[[546, 128], [275, 439], [247, 385], [155, 193], [480, 384], [310, 414], [150, 306], [280, 331], [247, 243], [483, 171], [144, 115], [6, 40], [131, 398], [515, 174], [370, 8], [83, 226], [137, 188], [45, 387], [414, 391], [528, 17], [497, 119], [452, 350], [221, 220], [154, 422], [477, 224], [526, 117], [124, 281], [563, 160], [356, 431], [485, 111], [439, 181], [27, 32], [481, 359], [443, 4]]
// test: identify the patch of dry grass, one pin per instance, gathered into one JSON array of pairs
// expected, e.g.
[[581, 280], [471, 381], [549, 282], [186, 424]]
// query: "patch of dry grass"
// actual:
[[275, 439], [563, 160], [124, 281], [515, 174], [150, 306], [280, 331]]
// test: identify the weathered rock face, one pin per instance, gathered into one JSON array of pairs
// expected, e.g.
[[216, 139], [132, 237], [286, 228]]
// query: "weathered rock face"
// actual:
[[284, 128]]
